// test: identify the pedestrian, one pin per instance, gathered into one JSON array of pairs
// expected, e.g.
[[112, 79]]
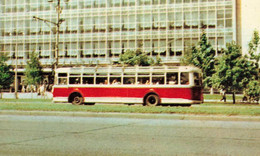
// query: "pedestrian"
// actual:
[[223, 93]]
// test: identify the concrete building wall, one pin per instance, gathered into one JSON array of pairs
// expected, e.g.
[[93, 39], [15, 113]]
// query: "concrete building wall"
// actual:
[[250, 21]]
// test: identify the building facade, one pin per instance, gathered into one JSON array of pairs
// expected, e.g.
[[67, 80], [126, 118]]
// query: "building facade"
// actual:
[[98, 31]]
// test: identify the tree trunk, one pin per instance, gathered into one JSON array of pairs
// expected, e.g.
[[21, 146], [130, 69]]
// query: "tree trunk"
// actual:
[[211, 91], [234, 98]]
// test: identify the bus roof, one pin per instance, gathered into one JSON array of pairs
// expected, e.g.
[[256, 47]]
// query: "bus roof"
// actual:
[[132, 69]]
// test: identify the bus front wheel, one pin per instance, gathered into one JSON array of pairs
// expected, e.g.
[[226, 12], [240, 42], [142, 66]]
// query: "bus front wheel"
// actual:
[[152, 100], [77, 100]]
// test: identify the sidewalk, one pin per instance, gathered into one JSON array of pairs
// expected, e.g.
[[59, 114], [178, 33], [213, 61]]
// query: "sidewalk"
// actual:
[[135, 115], [48, 95]]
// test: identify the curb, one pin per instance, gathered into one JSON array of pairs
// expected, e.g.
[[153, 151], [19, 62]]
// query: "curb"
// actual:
[[135, 115]]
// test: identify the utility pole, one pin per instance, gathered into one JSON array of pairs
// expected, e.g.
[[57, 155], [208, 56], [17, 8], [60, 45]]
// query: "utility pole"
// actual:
[[57, 25], [15, 77]]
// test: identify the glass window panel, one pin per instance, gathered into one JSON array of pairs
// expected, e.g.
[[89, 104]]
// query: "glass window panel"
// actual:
[[220, 23], [220, 42], [178, 1], [195, 15], [87, 49], [131, 45], [229, 38], [171, 1], [34, 26], [203, 15], [162, 1], [61, 49], [162, 46], [73, 23], [115, 47], [116, 22], [220, 14], [89, 3], [88, 23], [163, 20], [132, 21], [228, 23], [187, 16], [147, 46], [172, 78], [116, 2], [178, 16], [171, 16], [156, 46], [228, 14], [72, 49], [212, 14], [178, 45], [184, 78], [8, 26], [147, 20], [155, 20]]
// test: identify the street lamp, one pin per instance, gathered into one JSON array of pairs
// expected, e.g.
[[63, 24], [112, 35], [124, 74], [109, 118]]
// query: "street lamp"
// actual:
[[57, 24]]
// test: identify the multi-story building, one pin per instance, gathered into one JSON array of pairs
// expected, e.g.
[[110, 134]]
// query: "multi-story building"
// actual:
[[98, 31]]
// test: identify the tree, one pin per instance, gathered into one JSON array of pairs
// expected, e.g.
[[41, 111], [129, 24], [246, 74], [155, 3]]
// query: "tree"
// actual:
[[254, 48], [253, 88], [253, 91], [6, 74], [202, 56], [233, 71], [137, 57], [33, 70]]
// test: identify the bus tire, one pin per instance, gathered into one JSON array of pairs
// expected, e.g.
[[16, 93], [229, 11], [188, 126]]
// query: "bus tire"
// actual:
[[152, 100], [76, 99]]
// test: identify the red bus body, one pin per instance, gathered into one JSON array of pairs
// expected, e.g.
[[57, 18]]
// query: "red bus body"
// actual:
[[129, 94]]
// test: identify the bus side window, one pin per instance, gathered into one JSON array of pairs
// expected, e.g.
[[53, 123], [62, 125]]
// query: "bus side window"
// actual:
[[129, 80], [115, 81], [63, 81], [88, 80], [196, 79], [172, 78], [143, 80], [101, 80], [74, 80], [158, 80], [185, 78]]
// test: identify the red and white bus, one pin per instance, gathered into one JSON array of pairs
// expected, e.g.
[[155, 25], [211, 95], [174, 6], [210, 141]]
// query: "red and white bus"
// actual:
[[149, 86]]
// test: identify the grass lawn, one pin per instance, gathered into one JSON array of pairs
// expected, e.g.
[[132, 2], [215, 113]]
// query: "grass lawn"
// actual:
[[205, 108], [218, 97]]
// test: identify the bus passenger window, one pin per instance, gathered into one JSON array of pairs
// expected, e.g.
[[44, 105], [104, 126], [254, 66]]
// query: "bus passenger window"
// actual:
[[115, 81], [63, 81], [101, 80], [143, 80], [129, 80], [185, 78], [88, 80], [74, 80], [172, 78], [157, 80]]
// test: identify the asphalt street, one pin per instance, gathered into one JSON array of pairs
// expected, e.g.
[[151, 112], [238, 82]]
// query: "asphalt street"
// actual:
[[67, 135]]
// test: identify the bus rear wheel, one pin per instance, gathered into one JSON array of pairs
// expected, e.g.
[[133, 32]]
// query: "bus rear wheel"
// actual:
[[152, 100], [77, 100]]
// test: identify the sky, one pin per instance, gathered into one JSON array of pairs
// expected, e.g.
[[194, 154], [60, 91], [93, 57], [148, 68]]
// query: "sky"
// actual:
[[250, 20]]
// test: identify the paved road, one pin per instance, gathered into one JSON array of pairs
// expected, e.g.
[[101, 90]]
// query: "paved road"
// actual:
[[49, 135]]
